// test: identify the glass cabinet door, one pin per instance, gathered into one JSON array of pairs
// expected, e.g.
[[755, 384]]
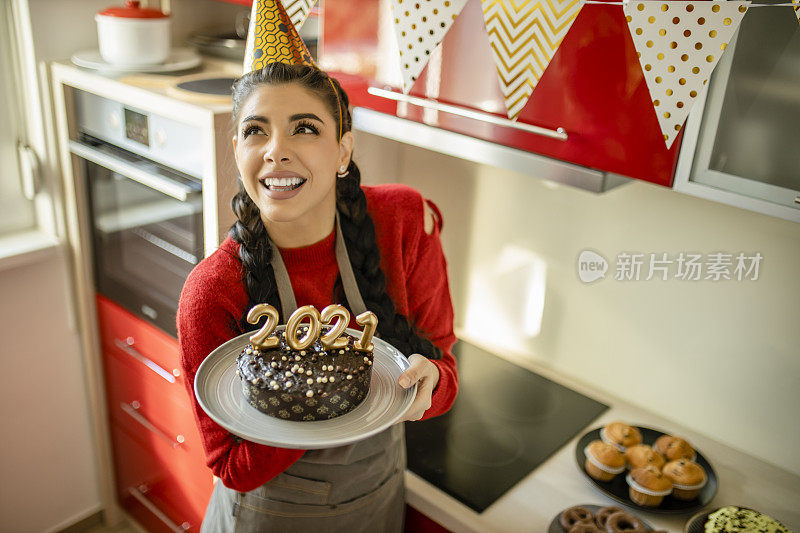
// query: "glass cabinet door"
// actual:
[[745, 139]]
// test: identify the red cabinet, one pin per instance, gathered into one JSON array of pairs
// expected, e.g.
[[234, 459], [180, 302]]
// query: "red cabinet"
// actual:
[[162, 479], [593, 87]]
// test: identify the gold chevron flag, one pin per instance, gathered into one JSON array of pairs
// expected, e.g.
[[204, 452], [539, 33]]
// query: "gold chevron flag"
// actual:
[[298, 10], [524, 36], [273, 38], [679, 43], [419, 28]]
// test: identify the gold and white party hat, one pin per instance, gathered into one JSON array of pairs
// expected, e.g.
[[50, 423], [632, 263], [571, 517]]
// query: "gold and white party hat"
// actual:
[[273, 38]]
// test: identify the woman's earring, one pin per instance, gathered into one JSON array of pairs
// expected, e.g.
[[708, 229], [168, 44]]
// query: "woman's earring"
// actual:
[[343, 172]]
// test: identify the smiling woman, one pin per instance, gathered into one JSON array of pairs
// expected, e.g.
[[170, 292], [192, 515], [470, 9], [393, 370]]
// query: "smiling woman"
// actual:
[[287, 151], [308, 233]]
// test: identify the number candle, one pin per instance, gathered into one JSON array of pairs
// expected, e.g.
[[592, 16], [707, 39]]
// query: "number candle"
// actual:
[[370, 323], [307, 311], [263, 338], [332, 340]]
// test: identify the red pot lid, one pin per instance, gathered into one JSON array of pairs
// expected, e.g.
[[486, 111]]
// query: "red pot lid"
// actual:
[[131, 10]]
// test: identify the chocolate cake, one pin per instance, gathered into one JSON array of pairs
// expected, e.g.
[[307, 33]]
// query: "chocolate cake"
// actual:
[[305, 385]]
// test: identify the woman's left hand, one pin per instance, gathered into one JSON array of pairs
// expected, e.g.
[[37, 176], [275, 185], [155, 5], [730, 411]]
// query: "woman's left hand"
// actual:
[[426, 375]]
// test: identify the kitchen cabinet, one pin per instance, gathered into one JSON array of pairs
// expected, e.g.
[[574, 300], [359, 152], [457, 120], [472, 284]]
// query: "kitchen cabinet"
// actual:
[[593, 88], [161, 476]]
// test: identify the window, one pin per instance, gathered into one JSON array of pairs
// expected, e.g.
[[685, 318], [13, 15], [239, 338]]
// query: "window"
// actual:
[[16, 210]]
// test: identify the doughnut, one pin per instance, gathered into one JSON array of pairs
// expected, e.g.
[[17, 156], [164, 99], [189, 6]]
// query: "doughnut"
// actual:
[[602, 516], [585, 527], [621, 521], [574, 515]]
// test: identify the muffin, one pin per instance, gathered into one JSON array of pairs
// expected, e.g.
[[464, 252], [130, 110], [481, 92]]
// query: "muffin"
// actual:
[[648, 486], [687, 478], [642, 455], [621, 435], [674, 448], [603, 460]]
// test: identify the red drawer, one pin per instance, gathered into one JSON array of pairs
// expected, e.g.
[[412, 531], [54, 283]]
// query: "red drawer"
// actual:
[[150, 489], [159, 411], [120, 328]]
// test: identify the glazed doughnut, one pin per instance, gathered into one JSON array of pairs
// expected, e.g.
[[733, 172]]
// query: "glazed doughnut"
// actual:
[[621, 521], [574, 515], [585, 527], [602, 516]]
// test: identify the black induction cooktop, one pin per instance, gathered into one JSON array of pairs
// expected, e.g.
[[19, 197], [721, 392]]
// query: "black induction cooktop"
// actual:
[[505, 422]]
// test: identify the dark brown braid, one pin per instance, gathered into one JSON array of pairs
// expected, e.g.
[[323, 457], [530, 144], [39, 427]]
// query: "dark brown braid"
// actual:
[[358, 228]]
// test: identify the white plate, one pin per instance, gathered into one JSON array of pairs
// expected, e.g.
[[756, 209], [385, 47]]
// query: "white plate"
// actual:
[[179, 59], [218, 390]]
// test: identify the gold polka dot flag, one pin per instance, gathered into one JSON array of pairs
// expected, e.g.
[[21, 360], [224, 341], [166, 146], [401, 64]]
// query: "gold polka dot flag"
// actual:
[[273, 36], [524, 36], [420, 25], [679, 43]]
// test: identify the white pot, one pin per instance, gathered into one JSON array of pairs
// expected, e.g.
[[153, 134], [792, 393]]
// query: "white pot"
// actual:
[[132, 36]]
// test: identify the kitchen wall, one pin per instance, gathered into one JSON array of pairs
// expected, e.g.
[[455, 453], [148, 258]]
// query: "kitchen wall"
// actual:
[[720, 357]]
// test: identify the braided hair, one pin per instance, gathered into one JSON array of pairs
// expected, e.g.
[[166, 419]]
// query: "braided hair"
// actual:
[[358, 229]]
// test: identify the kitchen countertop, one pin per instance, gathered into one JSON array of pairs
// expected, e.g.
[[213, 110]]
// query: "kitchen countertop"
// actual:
[[557, 484]]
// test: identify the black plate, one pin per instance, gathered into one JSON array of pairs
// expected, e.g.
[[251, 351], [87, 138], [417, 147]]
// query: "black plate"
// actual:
[[555, 526], [617, 488]]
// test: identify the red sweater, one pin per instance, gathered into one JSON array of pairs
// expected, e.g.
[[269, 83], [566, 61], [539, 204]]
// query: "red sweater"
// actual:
[[214, 299]]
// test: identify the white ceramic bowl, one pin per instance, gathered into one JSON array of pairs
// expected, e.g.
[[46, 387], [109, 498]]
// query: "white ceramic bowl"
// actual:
[[131, 42]]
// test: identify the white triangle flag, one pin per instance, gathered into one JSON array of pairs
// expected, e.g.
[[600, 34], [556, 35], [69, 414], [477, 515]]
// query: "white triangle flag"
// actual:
[[419, 28], [679, 43]]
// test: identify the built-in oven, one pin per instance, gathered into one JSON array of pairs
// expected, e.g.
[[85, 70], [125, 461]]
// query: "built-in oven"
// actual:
[[145, 205]]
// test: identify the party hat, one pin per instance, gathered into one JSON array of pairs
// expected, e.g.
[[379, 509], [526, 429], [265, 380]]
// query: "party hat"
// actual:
[[273, 38]]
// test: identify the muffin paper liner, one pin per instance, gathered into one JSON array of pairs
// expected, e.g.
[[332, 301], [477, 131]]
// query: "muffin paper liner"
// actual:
[[601, 466], [690, 487], [643, 490]]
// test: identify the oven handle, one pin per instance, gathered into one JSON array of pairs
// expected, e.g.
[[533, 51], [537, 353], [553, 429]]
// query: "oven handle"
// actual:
[[162, 184]]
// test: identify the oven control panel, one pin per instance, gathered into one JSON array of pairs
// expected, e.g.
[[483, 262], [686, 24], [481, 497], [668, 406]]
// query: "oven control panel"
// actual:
[[155, 137]]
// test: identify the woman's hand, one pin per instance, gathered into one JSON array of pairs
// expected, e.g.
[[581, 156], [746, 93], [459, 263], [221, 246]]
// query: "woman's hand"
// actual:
[[426, 374]]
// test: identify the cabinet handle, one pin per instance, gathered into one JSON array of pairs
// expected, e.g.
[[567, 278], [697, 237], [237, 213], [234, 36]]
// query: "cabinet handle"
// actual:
[[131, 409], [139, 495], [128, 349], [558, 133]]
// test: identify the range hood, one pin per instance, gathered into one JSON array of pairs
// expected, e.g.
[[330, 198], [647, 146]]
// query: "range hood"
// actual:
[[483, 151]]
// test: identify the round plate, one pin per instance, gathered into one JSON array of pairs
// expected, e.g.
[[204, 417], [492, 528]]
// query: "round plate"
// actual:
[[697, 523], [179, 59], [218, 390], [617, 488], [555, 526]]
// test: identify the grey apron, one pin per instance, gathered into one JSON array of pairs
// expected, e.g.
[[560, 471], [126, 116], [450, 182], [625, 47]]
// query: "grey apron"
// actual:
[[358, 487]]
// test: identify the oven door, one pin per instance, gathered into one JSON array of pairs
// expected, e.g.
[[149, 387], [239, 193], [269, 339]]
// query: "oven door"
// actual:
[[147, 225]]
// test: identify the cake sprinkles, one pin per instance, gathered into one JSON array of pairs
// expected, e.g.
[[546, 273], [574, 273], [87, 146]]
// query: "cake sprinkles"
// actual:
[[314, 383]]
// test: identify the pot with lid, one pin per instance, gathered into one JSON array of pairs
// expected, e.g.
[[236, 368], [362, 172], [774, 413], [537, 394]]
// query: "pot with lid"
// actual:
[[131, 35]]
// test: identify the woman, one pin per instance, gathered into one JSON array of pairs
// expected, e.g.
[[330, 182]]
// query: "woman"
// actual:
[[300, 192]]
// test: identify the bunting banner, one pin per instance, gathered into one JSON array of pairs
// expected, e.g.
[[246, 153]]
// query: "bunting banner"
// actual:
[[419, 28], [524, 36], [679, 43], [298, 10], [797, 9]]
